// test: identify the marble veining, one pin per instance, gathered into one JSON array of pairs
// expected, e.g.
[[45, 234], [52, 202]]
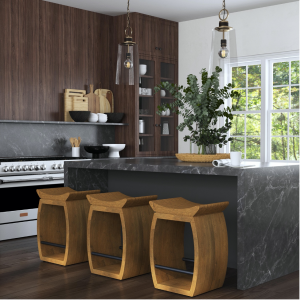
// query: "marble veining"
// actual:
[[267, 208], [43, 139]]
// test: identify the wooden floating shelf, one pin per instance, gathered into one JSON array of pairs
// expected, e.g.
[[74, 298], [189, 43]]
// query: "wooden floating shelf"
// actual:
[[167, 116], [165, 78], [145, 96], [146, 116], [166, 135], [144, 134], [167, 98]]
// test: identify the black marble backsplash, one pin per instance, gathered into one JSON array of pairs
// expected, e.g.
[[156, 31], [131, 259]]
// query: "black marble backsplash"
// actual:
[[39, 139]]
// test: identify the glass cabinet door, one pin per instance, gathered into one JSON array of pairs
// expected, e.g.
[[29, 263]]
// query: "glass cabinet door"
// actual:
[[147, 108], [167, 124]]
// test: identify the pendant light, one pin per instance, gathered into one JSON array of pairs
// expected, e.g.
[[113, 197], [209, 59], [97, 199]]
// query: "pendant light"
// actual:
[[127, 56], [224, 35], [223, 27]]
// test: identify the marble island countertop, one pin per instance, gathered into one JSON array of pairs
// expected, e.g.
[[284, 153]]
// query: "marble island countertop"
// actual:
[[170, 165], [262, 218]]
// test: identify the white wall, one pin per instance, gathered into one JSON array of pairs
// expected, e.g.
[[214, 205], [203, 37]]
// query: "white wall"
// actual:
[[259, 31]]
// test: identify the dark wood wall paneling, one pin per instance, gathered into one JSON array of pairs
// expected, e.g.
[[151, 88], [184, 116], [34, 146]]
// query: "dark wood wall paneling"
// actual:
[[45, 49]]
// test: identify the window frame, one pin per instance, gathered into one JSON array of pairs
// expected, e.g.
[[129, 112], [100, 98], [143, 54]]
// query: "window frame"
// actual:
[[266, 61]]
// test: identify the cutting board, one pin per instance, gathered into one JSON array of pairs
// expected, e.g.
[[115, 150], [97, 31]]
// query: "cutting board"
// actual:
[[68, 102], [80, 103], [106, 100], [94, 101], [78, 92]]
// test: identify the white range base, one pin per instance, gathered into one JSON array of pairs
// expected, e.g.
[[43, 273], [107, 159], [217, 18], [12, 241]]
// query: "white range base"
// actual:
[[23, 226]]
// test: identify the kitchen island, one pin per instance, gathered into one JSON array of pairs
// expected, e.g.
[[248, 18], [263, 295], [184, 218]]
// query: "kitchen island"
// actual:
[[262, 217]]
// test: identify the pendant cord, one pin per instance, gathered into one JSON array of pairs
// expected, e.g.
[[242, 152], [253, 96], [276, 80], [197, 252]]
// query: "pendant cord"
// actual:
[[128, 17]]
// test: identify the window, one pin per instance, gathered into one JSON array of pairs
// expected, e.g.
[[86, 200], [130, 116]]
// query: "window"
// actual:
[[246, 108], [265, 126], [284, 112]]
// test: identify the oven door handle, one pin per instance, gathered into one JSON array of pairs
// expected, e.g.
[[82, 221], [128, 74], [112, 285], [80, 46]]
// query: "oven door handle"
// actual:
[[45, 178]]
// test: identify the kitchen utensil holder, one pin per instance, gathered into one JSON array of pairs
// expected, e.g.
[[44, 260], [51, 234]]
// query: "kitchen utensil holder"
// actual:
[[167, 260], [113, 213], [75, 151], [62, 225]]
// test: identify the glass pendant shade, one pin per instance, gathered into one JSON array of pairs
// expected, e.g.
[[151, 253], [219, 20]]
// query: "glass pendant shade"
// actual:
[[127, 64], [223, 49]]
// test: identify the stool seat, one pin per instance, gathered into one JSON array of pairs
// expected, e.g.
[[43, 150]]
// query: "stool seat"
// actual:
[[64, 194], [118, 200], [181, 206]]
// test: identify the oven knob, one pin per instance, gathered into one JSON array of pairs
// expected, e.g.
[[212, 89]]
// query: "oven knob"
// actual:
[[18, 168], [31, 168], [5, 169], [12, 169], [60, 166], [37, 167], [43, 167], [54, 167], [25, 168]]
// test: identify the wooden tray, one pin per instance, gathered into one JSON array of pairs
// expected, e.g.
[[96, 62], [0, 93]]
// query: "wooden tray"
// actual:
[[201, 157]]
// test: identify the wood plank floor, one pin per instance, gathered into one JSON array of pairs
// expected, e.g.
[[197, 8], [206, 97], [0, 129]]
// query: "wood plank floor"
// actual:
[[23, 275]]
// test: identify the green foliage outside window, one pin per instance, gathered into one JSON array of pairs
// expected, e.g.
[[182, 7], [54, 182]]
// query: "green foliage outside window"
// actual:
[[285, 124]]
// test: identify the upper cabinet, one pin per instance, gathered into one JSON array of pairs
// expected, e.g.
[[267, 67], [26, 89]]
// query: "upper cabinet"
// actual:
[[157, 37]]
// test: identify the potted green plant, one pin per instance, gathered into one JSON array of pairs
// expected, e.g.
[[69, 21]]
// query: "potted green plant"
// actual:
[[201, 106]]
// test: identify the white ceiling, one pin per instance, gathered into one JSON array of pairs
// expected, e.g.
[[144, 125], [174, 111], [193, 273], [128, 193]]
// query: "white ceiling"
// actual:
[[175, 10]]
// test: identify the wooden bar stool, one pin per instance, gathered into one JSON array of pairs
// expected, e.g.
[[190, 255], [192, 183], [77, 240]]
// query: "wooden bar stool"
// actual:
[[62, 225], [113, 217], [167, 246]]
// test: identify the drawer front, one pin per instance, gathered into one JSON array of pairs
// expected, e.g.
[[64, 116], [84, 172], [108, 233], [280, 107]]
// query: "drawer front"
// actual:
[[18, 230], [18, 215]]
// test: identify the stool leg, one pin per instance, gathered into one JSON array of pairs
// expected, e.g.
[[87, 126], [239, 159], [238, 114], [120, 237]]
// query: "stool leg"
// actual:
[[136, 224], [51, 227], [167, 249], [104, 236], [211, 252], [76, 219]]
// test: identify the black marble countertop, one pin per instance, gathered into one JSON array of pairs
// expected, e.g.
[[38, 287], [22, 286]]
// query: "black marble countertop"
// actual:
[[170, 165]]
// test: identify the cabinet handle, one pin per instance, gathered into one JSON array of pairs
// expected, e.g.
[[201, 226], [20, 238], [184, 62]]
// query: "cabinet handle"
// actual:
[[157, 48]]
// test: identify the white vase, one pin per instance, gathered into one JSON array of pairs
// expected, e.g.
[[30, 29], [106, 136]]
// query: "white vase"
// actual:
[[168, 112], [143, 69], [163, 93]]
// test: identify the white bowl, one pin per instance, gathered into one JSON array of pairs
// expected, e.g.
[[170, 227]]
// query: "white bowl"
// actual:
[[102, 118], [143, 69], [114, 149], [93, 118]]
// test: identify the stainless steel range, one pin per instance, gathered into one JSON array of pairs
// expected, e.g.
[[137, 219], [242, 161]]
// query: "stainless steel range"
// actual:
[[19, 179]]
